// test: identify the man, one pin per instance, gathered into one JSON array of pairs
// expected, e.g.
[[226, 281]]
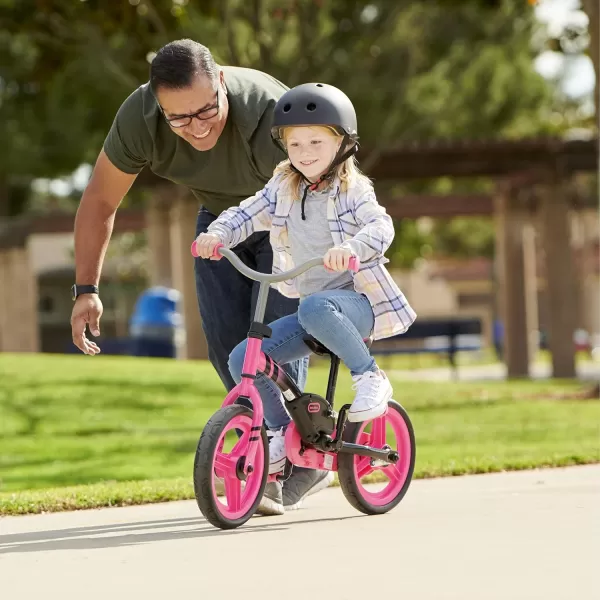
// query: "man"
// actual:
[[208, 128]]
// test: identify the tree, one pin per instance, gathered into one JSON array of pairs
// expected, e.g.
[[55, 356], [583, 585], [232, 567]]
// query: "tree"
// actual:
[[64, 69], [416, 69], [592, 10]]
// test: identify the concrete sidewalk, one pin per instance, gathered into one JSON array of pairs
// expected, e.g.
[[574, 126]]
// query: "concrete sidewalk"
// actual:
[[526, 535]]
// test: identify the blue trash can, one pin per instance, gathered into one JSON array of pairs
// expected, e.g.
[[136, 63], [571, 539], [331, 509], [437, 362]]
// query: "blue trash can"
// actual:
[[156, 325]]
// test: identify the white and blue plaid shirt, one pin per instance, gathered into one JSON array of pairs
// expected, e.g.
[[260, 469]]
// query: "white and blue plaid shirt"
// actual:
[[357, 222]]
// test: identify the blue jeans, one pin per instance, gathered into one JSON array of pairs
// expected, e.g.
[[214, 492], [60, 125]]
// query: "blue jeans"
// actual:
[[227, 300], [339, 319]]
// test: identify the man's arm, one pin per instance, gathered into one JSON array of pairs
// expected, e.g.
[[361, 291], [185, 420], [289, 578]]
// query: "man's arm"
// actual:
[[93, 228], [95, 217]]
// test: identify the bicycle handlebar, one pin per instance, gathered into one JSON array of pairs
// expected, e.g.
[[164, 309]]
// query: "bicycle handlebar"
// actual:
[[232, 257]]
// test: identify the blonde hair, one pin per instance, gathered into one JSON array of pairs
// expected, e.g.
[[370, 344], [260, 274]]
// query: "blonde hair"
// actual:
[[348, 172]]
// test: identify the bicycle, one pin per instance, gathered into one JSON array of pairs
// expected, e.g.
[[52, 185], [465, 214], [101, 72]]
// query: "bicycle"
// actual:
[[234, 448]]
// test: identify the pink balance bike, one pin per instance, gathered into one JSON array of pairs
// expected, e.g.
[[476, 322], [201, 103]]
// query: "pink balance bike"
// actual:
[[232, 457]]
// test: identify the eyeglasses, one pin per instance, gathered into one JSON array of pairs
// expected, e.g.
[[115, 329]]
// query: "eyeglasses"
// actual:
[[202, 115]]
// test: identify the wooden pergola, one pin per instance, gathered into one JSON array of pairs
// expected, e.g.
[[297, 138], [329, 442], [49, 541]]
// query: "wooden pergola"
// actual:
[[490, 158], [531, 177]]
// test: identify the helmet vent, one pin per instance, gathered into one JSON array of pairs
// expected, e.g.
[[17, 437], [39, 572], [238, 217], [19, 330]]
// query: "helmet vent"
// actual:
[[311, 106], [287, 108], [319, 85]]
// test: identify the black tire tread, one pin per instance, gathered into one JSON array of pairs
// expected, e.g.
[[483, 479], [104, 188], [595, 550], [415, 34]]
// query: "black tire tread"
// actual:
[[203, 468], [349, 484]]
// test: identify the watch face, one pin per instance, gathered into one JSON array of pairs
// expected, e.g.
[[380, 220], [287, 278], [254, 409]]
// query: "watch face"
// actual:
[[74, 292]]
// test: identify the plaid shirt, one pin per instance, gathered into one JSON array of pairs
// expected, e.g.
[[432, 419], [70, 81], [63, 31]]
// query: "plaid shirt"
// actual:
[[357, 222]]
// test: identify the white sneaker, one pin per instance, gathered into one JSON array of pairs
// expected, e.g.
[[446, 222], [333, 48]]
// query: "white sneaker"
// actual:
[[277, 453], [373, 390]]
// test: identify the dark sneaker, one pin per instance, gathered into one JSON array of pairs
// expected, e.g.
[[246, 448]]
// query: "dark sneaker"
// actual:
[[272, 500], [303, 483]]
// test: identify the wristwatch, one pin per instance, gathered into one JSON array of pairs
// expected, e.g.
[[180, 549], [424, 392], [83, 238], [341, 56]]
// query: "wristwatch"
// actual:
[[77, 290]]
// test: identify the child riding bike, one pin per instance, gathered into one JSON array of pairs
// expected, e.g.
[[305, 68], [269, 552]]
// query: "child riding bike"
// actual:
[[319, 204]]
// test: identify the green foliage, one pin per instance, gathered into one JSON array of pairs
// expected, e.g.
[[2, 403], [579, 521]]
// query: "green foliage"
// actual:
[[464, 237], [410, 243], [416, 69]]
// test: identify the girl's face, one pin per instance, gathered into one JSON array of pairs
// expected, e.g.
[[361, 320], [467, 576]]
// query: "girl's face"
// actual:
[[311, 149]]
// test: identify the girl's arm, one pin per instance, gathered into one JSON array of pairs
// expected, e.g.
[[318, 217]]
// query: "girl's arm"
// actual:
[[377, 229], [237, 223]]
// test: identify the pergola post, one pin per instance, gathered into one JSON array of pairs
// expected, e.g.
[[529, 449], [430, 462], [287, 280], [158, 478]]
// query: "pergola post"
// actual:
[[531, 287], [183, 225], [19, 330], [158, 231], [560, 277], [510, 231]]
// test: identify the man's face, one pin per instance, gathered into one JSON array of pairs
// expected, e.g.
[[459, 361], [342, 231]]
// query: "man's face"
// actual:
[[202, 99]]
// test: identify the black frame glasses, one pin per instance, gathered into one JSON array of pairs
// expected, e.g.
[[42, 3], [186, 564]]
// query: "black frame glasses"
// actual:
[[202, 115]]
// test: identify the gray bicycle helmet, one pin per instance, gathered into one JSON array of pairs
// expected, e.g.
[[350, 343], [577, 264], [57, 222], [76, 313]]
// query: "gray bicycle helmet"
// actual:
[[315, 104], [323, 105]]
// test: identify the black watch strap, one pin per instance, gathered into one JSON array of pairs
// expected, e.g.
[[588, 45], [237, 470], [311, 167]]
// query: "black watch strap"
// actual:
[[77, 290]]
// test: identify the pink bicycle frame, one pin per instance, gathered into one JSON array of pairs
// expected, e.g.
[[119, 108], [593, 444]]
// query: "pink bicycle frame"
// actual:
[[255, 361]]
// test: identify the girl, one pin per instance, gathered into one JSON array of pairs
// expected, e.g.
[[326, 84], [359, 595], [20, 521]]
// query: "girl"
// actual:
[[319, 204]]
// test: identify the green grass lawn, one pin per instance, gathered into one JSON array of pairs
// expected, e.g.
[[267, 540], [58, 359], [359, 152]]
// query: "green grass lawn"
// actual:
[[73, 420], [485, 356]]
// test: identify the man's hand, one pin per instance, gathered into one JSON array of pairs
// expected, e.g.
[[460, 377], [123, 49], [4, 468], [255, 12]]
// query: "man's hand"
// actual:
[[86, 311], [337, 259], [205, 245], [93, 227]]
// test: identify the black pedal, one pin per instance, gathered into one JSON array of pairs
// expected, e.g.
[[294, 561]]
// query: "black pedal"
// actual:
[[341, 423]]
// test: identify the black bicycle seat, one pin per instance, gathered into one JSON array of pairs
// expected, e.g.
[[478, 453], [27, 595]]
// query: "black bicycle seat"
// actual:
[[321, 350]]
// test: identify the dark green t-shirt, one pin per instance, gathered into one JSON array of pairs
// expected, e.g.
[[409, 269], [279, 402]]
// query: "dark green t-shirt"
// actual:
[[237, 167]]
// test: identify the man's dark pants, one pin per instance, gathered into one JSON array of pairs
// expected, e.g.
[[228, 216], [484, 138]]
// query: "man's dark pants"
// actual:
[[227, 300]]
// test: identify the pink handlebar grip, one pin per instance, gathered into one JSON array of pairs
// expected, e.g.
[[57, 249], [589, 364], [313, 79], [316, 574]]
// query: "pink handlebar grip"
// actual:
[[353, 264], [216, 254]]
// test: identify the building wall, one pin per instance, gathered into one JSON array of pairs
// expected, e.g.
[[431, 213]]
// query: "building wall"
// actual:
[[18, 300], [434, 296], [50, 251]]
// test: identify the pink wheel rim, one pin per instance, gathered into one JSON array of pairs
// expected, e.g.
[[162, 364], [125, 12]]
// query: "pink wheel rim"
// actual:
[[396, 474], [239, 496]]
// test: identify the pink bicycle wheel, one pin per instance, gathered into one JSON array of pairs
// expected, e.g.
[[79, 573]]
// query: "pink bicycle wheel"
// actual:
[[225, 496], [393, 430]]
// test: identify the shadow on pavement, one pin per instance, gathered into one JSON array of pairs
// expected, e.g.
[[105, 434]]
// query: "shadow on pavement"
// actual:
[[124, 534]]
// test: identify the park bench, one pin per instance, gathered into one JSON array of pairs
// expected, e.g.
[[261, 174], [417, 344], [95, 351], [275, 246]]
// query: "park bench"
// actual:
[[438, 336]]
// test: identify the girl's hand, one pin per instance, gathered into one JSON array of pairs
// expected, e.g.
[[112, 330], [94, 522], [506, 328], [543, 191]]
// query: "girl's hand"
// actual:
[[337, 259], [205, 245]]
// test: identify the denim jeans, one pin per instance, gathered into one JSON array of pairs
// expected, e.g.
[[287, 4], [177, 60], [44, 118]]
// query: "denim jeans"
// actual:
[[339, 319], [227, 300]]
